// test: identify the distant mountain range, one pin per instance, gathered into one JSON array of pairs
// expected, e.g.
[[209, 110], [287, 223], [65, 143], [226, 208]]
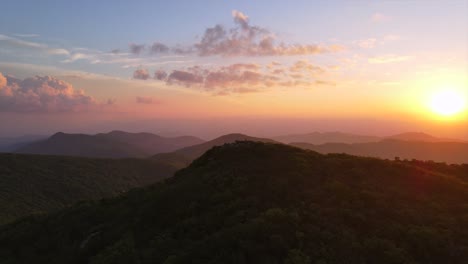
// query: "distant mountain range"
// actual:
[[450, 152], [116, 144], [318, 138], [183, 157], [181, 151], [13, 143]]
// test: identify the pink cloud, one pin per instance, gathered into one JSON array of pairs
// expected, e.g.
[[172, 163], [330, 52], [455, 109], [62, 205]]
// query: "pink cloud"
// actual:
[[41, 94], [146, 100], [141, 74], [379, 17]]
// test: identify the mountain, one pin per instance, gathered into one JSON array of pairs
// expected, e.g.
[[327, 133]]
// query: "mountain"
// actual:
[[318, 138], [116, 144], [326, 137], [186, 155], [12, 143], [263, 203], [40, 183], [450, 152], [423, 137]]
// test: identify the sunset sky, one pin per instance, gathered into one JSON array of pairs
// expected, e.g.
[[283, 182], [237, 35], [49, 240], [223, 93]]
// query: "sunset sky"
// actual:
[[212, 67]]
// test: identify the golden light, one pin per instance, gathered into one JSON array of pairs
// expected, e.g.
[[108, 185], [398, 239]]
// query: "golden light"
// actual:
[[448, 102]]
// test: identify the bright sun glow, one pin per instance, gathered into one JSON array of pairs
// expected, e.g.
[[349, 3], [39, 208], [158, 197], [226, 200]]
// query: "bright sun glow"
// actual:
[[447, 102]]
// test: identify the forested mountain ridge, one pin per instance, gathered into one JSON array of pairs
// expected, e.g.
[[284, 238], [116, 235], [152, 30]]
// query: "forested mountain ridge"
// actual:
[[251, 202], [39, 183]]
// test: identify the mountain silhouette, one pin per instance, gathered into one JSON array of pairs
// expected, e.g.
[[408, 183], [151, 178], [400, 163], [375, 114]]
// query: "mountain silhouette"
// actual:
[[326, 137], [182, 157], [318, 138], [116, 144], [450, 152]]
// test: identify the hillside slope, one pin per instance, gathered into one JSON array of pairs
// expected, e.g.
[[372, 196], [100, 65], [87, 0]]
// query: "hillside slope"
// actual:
[[262, 203], [39, 183], [116, 144], [450, 152]]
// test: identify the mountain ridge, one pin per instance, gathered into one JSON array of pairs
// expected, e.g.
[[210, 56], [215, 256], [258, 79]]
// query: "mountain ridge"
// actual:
[[115, 144]]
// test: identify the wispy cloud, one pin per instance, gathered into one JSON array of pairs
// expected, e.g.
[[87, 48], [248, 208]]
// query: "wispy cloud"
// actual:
[[26, 35], [389, 58], [19, 43], [146, 100], [379, 17], [366, 43]]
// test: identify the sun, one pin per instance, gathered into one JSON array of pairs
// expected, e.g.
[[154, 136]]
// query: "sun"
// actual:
[[447, 102]]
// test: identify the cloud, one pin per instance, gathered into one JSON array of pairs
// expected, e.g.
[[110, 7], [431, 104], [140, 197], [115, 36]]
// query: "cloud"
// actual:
[[241, 40], [184, 78], [390, 58], [160, 75], [158, 47], [247, 40], [26, 35], [136, 49], [141, 74], [243, 77], [19, 43], [41, 94], [3, 81], [366, 43], [146, 100], [305, 66], [379, 17]]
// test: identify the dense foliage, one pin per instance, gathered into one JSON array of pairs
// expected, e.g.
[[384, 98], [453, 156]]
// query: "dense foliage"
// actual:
[[35, 183], [263, 203]]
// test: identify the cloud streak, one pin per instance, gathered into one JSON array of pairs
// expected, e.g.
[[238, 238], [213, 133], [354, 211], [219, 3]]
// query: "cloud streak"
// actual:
[[146, 100], [19, 43], [390, 58]]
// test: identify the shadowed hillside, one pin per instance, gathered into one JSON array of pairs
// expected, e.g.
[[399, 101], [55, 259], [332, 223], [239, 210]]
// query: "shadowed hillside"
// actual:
[[450, 152], [38, 183], [263, 203], [116, 144]]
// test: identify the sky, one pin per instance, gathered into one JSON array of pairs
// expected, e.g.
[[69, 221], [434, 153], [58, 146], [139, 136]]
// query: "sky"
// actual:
[[211, 67]]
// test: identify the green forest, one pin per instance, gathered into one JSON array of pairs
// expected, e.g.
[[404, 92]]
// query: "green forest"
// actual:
[[39, 183], [260, 203]]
